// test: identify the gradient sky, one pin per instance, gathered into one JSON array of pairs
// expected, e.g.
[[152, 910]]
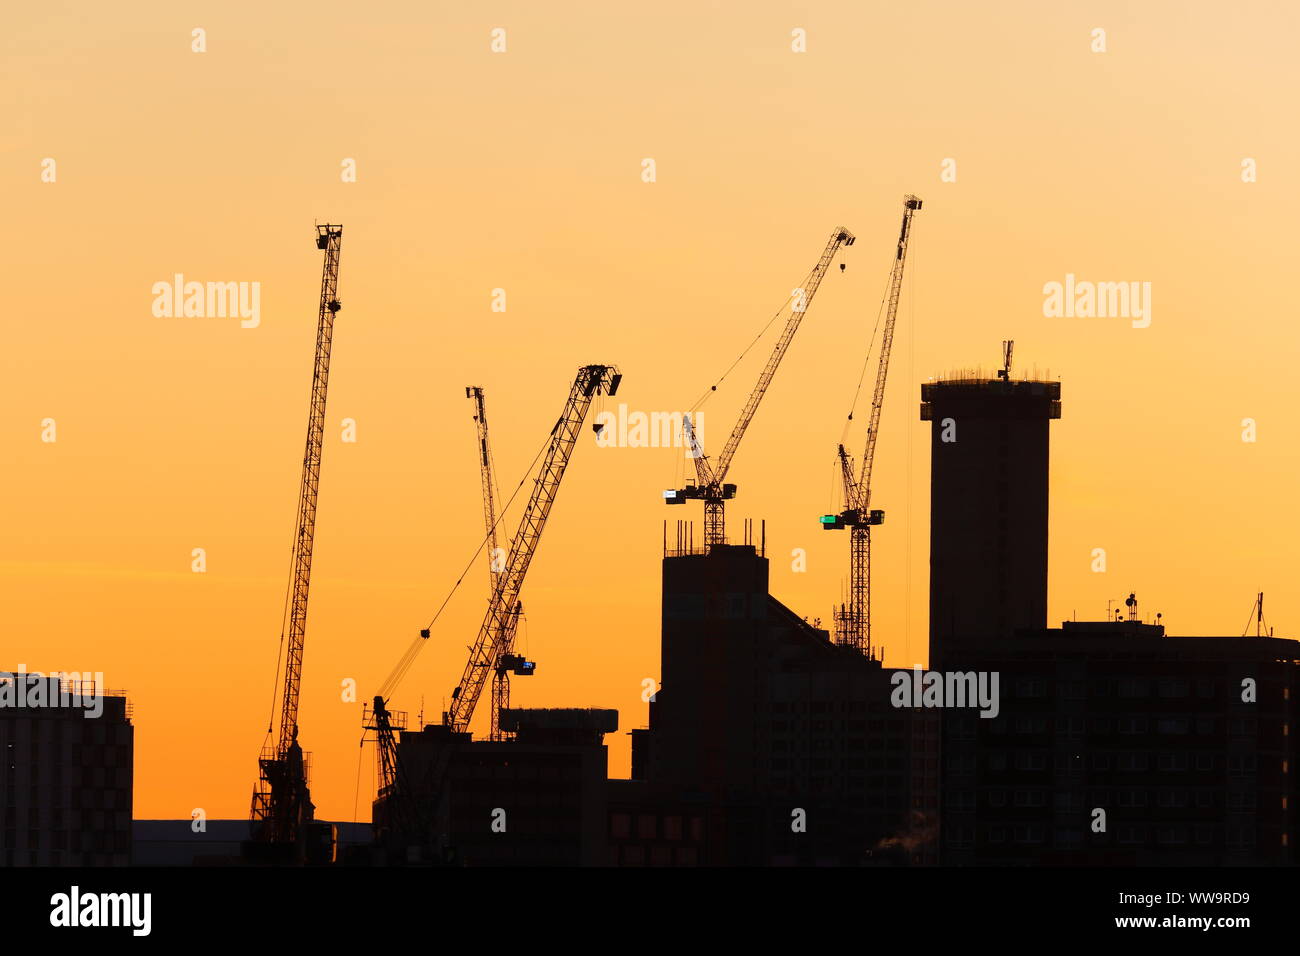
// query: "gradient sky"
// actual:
[[522, 171]]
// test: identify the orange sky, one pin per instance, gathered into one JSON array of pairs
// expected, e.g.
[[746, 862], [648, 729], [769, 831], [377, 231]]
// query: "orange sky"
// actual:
[[522, 171]]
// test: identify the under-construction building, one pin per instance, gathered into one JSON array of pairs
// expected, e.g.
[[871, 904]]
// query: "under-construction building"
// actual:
[[767, 743], [537, 798], [988, 506]]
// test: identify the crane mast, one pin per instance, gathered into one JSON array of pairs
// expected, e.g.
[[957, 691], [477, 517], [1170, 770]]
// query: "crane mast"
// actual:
[[507, 662], [281, 802], [400, 816], [710, 485], [853, 621], [502, 614]]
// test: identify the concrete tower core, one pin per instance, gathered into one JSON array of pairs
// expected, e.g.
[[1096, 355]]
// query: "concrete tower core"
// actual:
[[988, 507]]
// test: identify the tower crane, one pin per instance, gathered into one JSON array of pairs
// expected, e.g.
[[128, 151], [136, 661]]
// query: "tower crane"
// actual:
[[411, 823], [853, 621], [508, 662], [281, 806], [710, 485], [497, 629]]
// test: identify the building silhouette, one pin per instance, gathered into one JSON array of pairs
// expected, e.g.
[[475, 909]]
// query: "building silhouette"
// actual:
[[768, 744], [988, 505], [537, 799], [65, 773], [1114, 743]]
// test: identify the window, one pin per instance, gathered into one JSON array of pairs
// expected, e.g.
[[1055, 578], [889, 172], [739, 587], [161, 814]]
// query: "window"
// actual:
[[1242, 800], [1172, 762], [1241, 837], [1241, 765], [1031, 761], [1130, 835], [1029, 834], [1171, 836], [1068, 838], [1171, 687], [1241, 727], [1131, 688]]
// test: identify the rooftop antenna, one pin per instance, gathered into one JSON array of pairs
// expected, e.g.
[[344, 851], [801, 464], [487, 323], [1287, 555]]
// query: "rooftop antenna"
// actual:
[[1257, 611], [1004, 373]]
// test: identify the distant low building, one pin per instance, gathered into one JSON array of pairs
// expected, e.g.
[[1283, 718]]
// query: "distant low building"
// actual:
[[217, 843]]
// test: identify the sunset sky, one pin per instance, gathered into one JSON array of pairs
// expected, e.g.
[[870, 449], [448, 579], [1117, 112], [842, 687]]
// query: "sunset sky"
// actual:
[[522, 171]]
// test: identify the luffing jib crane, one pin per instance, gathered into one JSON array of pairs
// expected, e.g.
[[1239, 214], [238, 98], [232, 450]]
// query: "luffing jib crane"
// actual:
[[498, 625], [282, 807], [710, 485], [853, 620], [508, 662]]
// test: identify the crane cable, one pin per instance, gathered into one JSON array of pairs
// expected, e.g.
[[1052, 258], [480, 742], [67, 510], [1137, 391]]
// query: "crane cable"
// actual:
[[866, 360], [284, 618], [739, 358], [407, 659], [763, 331]]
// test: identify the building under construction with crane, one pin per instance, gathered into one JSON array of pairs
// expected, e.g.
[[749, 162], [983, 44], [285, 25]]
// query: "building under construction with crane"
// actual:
[[773, 741], [540, 774], [770, 742]]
